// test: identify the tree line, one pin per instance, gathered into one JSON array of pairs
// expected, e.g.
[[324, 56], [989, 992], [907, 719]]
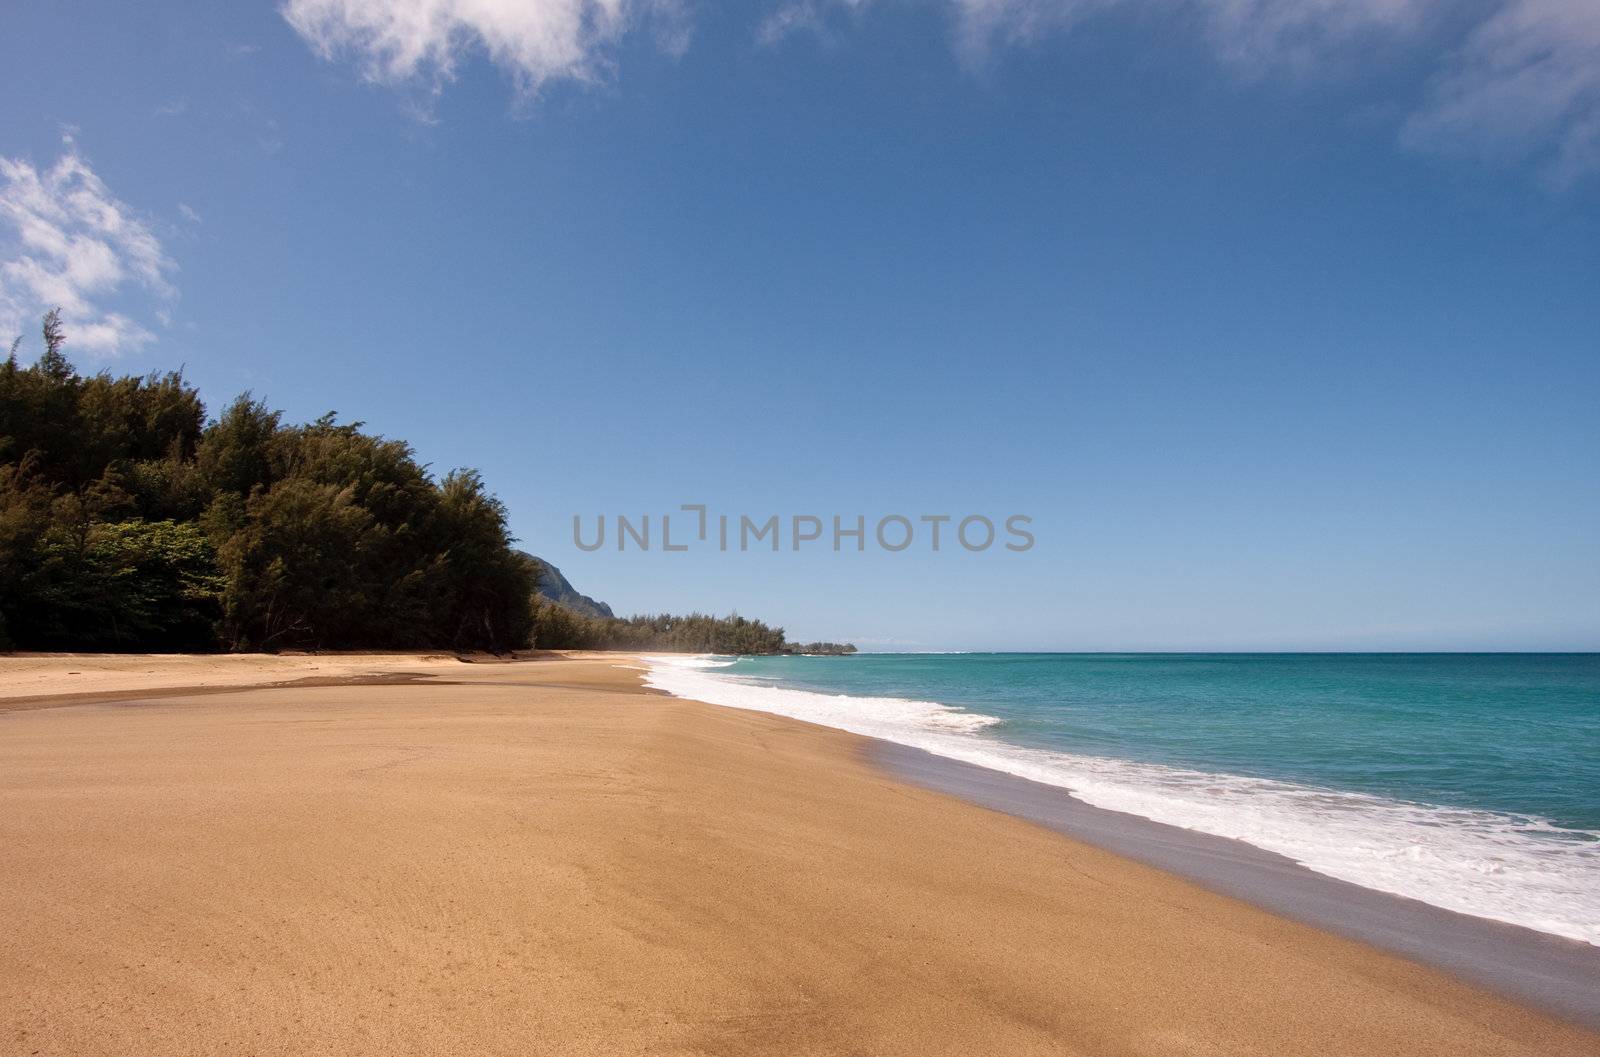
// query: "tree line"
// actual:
[[131, 522], [559, 628]]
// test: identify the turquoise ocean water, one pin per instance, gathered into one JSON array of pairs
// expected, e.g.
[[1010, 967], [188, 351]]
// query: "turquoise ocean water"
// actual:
[[1471, 781]]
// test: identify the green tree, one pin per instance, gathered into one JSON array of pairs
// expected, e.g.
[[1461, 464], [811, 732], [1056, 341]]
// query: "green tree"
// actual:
[[128, 585], [126, 522]]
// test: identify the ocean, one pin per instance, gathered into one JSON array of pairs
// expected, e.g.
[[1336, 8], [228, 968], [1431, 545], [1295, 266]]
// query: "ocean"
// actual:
[[1469, 781]]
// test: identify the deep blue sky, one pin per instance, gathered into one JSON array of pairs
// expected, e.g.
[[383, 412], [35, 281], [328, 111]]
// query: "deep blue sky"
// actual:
[[1271, 361]]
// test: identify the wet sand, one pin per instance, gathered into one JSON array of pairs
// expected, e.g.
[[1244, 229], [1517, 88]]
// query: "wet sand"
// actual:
[[542, 858], [1552, 972]]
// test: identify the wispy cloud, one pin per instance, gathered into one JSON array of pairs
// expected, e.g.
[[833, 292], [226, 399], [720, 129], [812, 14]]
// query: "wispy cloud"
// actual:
[[795, 16], [1526, 83], [270, 138], [1254, 36], [536, 41], [1259, 37], [1509, 76], [66, 241]]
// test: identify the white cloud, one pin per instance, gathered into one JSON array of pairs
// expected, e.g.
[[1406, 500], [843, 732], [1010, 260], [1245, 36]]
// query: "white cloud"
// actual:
[[1526, 80], [1254, 36], [536, 41], [66, 241], [1527, 83], [799, 16], [788, 19]]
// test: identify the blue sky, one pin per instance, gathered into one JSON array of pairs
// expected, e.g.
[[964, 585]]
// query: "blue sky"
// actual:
[[1280, 320]]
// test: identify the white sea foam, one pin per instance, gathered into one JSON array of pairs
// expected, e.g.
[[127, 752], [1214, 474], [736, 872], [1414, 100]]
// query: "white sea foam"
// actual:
[[1517, 869], [688, 661]]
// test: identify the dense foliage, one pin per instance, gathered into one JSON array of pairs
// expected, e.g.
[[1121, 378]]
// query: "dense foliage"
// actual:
[[559, 628], [831, 649], [127, 522]]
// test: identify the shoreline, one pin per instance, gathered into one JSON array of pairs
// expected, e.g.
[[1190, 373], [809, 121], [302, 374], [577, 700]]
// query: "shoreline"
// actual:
[[542, 855], [1476, 854], [1559, 975], [1555, 973]]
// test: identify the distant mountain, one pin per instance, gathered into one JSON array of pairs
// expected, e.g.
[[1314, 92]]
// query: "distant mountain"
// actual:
[[556, 588]]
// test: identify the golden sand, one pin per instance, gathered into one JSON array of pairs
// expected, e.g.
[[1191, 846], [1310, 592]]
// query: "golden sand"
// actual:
[[540, 858]]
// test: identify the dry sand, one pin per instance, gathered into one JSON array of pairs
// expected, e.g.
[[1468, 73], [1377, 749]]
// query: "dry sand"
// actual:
[[45, 680], [542, 859]]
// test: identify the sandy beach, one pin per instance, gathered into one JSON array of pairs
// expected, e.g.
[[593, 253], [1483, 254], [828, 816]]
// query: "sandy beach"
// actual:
[[410, 854]]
